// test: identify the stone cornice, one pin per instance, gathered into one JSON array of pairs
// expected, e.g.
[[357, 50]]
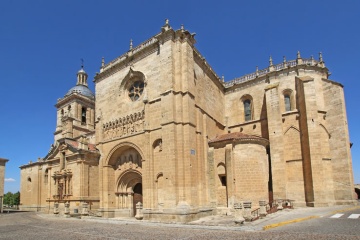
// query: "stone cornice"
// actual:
[[73, 97], [143, 50]]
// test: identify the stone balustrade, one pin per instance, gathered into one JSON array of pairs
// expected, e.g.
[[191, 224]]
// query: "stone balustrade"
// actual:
[[278, 67]]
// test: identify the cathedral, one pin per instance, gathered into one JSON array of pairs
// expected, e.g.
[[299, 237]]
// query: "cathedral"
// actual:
[[164, 130]]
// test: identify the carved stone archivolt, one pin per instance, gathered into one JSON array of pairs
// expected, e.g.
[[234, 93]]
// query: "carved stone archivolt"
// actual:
[[128, 161], [124, 126]]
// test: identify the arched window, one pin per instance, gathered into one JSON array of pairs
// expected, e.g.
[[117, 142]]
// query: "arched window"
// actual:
[[247, 109], [83, 115], [287, 102]]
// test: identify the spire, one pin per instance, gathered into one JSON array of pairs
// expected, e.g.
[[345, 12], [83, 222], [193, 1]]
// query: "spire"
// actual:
[[102, 62], [166, 26], [299, 60], [271, 65], [284, 62], [321, 61], [82, 75], [257, 71], [182, 28]]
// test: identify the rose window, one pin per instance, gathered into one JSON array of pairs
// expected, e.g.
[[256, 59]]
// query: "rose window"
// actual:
[[136, 90]]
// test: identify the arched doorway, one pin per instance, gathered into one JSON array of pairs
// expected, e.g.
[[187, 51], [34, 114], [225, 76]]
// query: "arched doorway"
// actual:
[[129, 191], [137, 196], [124, 177]]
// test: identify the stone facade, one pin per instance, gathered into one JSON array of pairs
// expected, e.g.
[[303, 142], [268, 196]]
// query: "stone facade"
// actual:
[[2, 179], [164, 130]]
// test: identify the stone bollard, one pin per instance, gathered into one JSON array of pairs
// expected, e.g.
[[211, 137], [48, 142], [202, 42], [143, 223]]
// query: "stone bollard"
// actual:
[[262, 211], [239, 219], [279, 206], [247, 211], [56, 208], [85, 211], [67, 209], [139, 211]]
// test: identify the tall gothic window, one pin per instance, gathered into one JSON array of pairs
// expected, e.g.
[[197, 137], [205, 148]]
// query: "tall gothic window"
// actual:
[[247, 109], [287, 102]]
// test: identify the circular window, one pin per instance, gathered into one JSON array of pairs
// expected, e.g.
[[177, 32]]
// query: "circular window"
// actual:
[[136, 90]]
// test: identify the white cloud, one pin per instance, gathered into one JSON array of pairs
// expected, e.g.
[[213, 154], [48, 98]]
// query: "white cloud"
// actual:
[[10, 180]]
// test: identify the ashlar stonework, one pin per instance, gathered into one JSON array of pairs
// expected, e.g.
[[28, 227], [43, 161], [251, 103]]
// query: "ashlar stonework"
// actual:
[[164, 130]]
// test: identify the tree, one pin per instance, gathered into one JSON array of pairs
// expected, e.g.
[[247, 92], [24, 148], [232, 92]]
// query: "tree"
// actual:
[[16, 197], [8, 198]]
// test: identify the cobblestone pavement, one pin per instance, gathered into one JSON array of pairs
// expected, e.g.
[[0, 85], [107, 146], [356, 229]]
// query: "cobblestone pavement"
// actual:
[[30, 225]]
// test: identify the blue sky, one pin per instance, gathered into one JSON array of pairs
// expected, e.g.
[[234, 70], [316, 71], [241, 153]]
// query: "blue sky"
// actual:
[[42, 42]]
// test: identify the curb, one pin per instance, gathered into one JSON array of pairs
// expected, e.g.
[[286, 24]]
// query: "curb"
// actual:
[[267, 227]]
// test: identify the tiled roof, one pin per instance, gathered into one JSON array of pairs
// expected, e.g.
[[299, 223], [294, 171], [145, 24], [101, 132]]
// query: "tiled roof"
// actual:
[[75, 144]]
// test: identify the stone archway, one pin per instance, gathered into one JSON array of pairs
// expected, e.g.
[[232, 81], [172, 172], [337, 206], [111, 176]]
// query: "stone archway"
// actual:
[[129, 192], [122, 173]]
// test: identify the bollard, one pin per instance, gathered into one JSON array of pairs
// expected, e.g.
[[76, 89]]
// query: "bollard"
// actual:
[[262, 211], [247, 211], [56, 208], [67, 209], [85, 211], [139, 214], [239, 219], [279, 206]]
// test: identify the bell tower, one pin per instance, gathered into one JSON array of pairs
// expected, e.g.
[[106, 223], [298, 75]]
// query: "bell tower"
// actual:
[[76, 110]]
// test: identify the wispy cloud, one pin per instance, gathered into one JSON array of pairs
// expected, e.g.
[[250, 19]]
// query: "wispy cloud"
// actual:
[[10, 180]]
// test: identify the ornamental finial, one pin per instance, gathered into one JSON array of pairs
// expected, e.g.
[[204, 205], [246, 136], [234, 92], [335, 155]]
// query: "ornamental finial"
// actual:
[[131, 44], [223, 78], [102, 62], [257, 71], [166, 21], [270, 61], [182, 27], [298, 55], [320, 57], [284, 59]]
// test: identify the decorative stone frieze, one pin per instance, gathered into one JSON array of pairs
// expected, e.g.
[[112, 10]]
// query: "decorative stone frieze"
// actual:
[[124, 126]]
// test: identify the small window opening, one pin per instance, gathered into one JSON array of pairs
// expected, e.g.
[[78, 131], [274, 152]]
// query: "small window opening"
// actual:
[[46, 177], [287, 103], [247, 109], [29, 179], [83, 115], [223, 180]]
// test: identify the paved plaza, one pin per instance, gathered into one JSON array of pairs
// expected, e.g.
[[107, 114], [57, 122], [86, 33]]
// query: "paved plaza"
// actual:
[[303, 223]]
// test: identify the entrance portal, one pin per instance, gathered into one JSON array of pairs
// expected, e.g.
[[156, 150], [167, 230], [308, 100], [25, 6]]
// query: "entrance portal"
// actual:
[[137, 196]]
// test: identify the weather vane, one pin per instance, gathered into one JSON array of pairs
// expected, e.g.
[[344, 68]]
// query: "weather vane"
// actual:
[[82, 63]]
